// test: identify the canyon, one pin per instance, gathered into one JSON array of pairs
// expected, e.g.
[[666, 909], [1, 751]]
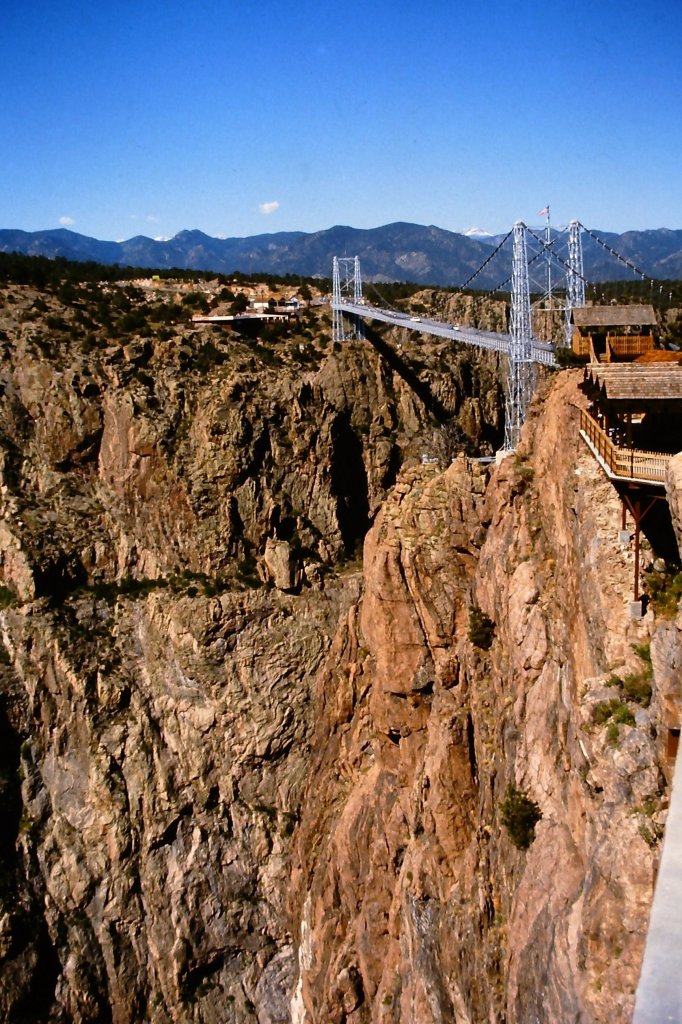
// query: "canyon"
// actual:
[[255, 757]]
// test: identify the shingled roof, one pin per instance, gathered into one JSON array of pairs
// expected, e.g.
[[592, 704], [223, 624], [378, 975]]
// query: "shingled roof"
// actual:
[[633, 381], [614, 316]]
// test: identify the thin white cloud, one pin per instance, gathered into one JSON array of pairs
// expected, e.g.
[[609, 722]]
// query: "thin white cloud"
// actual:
[[66, 221], [268, 208], [151, 218]]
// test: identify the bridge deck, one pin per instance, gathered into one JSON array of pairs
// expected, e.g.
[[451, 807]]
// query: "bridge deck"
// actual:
[[542, 352]]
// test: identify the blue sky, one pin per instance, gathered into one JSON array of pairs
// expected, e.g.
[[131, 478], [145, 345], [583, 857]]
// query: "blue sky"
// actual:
[[239, 118]]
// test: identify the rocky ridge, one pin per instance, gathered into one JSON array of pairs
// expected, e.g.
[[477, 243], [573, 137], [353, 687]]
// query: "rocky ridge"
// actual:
[[392, 252]]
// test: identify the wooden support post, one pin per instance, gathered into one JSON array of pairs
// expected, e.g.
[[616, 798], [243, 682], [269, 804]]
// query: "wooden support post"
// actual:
[[638, 515], [637, 552]]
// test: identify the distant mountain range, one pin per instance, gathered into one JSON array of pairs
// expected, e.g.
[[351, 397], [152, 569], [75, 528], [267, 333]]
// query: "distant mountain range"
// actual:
[[395, 252]]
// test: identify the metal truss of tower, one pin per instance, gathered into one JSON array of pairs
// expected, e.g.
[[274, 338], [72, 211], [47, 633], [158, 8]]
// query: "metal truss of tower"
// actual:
[[346, 287], [521, 378], [575, 280]]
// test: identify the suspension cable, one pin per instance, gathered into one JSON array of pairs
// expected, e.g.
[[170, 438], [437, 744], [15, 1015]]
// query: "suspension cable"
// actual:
[[395, 309], [621, 259], [369, 284], [485, 262], [548, 248], [501, 287]]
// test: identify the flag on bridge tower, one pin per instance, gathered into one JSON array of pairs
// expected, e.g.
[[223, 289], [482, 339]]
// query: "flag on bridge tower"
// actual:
[[544, 212]]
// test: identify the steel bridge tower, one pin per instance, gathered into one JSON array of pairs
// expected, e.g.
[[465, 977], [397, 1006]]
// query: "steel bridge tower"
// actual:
[[575, 280], [521, 377], [346, 287]]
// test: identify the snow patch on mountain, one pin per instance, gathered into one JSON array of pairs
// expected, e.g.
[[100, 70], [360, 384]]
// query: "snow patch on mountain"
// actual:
[[477, 233]]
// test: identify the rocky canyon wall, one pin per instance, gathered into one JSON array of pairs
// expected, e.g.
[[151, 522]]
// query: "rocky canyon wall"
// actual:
[[413, 903], [253, 774], [181, 514]]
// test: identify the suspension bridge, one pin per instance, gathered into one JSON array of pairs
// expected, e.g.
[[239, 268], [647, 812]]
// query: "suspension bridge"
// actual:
[[524, 352]]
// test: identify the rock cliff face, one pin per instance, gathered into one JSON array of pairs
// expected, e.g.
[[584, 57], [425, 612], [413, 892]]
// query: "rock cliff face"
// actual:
[[248, 776], [413, 904]]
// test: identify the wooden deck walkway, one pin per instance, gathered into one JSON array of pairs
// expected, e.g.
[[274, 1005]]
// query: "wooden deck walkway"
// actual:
[[623, 463]]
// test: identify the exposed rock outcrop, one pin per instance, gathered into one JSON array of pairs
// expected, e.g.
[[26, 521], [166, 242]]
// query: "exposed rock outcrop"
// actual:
[[674, 495]]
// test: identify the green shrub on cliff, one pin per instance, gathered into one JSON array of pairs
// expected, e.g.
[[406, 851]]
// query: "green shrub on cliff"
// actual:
[[566, 357], [665, 590], [519, 815], [637, 685], [615, 709], [481, 628]]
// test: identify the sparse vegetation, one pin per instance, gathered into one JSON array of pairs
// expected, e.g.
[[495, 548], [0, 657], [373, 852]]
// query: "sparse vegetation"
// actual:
[[524, 473], [637, 685], [612, 734], [650, 835], [247, 573], [26, 824], [665, 590], [613, 709], [519, 814], [613, 713], [481, 629], [567, 359]]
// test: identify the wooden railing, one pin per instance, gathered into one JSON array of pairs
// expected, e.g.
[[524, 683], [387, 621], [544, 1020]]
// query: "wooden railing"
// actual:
[[619, 344], [630, 344], [628, 463], [580, 344]]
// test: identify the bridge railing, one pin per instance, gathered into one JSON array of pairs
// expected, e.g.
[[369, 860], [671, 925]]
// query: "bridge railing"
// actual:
[[543, 353], [628, 463], [491, 340]]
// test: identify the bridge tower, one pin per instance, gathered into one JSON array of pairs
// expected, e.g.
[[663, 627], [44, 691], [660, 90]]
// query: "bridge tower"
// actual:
[[575, 280], [346, 287], [521, 377]]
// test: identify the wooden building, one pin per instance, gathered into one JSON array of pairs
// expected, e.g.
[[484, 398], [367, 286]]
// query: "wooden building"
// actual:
[[607, 334], [633, 426], [638, 407]]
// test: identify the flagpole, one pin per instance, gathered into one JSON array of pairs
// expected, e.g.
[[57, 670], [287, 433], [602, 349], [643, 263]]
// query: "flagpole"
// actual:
[[549, 264]]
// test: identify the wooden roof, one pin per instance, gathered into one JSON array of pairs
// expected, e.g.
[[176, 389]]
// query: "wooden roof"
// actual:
[[659, 355], [636, 381], [614, 316]]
